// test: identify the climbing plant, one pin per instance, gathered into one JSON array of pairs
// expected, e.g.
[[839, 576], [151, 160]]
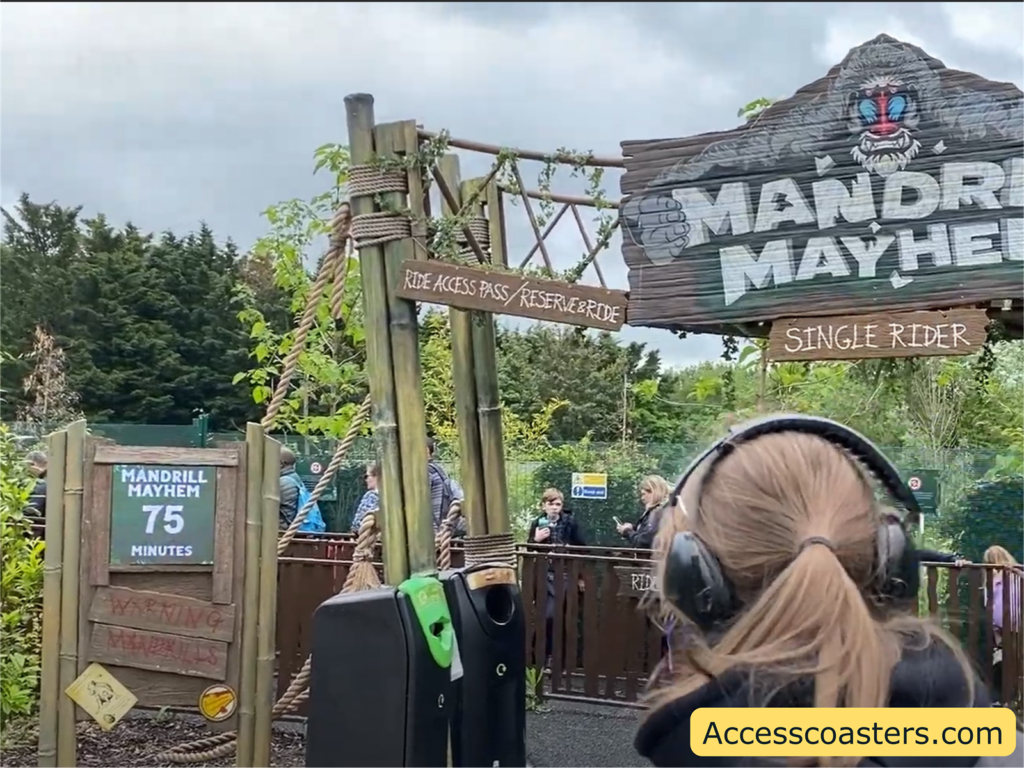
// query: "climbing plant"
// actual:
[[329, 379]]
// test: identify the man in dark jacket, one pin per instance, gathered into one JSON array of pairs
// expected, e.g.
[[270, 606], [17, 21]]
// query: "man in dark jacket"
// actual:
[[37, 500], [443, 491], [290, 482]]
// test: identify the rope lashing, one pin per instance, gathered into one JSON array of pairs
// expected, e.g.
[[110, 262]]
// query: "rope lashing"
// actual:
[[370, 229], [491, 548], [481, 229], [443, 539], [362, 575]]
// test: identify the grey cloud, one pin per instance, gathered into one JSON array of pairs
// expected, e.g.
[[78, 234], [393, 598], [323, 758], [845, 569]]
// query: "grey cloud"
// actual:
[[218, 120]]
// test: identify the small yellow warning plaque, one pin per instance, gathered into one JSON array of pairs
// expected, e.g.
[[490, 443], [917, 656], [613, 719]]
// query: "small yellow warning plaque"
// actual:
[[100, 694], [218, 702]]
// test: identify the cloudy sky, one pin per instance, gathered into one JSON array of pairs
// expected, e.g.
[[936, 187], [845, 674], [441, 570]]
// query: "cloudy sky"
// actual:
[[167, 114]]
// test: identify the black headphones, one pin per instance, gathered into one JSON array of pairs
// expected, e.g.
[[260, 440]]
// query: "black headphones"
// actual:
[[693, 580]]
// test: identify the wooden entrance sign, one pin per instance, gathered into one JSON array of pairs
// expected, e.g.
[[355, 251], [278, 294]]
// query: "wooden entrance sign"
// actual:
[[162, 568], [506, 293], [889, 334]]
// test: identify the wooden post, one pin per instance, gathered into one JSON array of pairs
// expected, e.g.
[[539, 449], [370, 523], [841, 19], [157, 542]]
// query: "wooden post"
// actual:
[[466, 417], [254, 447], [49, 684], [265, 647], [67, 741], [485, 365], [390, 140], [359, 112]]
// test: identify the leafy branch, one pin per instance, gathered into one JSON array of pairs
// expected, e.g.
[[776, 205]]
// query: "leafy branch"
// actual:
[[330, 370]]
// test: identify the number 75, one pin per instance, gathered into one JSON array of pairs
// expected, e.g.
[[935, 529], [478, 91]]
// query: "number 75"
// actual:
[[173, 521]]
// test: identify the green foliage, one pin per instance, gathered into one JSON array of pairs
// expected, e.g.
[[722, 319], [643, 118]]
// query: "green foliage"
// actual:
[[990, 513], [329, 382], [625, 465], [749, 111], [20, 588], [147, 324]]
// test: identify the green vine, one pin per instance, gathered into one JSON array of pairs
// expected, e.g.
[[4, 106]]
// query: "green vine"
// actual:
[[445, 232]]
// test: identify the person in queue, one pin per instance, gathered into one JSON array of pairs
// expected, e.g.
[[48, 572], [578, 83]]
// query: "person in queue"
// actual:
[[799, 592], [1006, 586], [654, 492], [555, 524], [444, 491], [36, 461], [370, 500]]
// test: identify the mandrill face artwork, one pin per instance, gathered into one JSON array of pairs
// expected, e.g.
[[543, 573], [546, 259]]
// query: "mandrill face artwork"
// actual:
[[883, 114]]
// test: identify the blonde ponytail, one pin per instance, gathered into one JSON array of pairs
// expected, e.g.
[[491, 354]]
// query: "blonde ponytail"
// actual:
[[793, 523]]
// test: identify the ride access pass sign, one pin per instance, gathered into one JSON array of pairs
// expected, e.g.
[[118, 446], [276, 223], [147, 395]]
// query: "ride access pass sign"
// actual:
[[162, 515]]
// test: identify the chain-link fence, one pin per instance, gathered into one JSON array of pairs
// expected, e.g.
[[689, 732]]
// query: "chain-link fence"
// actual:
[[974, 508]]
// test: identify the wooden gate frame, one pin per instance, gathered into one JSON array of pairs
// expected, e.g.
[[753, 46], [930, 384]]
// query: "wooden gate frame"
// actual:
[[77, 565]]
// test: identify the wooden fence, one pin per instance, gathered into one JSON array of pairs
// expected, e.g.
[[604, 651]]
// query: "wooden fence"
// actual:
[[604, 647], [599, 645]]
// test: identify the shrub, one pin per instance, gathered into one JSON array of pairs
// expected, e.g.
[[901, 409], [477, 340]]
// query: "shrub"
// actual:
[[21, 585], [625, 465]]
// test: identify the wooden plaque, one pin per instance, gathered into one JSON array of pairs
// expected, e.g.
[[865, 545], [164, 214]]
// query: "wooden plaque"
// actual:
[[636, 582], [505, 293], [901, 334]]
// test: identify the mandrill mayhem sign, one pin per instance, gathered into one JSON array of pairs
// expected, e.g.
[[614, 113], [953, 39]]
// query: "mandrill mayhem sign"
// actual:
[[893, 183]]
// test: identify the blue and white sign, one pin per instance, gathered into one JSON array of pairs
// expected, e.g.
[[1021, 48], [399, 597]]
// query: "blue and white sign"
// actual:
[[589, 485]]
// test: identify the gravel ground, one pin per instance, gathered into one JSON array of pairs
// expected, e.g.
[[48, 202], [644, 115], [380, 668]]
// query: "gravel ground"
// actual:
[[141, 735], [564, 734]]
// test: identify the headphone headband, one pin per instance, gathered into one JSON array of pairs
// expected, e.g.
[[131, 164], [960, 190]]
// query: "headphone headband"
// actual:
[[687, 489], [693, 578]]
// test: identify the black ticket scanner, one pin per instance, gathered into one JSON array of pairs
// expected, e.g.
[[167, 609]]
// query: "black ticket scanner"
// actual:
[[380, 678], [488, 726]]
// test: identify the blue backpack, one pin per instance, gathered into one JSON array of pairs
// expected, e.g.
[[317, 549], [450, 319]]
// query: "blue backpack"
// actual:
[[314, 522]]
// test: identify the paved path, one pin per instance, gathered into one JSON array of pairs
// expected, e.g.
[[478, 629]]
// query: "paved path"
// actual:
[[569, 734]]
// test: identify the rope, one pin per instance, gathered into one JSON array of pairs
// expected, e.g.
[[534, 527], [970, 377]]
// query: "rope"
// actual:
[[443, 539], [339, 232], [354, 428], [369, 229], [370, 180], [491, 548], [481, 229], [361, 576]]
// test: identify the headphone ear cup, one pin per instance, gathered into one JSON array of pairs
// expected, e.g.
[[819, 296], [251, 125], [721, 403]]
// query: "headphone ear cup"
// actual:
[[897, 577], [694, 583]]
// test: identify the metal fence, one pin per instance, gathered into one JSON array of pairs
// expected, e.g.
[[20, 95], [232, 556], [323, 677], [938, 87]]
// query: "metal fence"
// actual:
[[959, 473]]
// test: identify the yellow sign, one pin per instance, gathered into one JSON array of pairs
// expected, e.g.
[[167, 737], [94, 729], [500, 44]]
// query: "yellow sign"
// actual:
[[100, 694], [218, 702]]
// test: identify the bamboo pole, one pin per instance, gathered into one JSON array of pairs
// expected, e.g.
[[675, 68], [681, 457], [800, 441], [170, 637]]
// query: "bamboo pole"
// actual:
[[405, 352], [265, 642], [492, 449], [49, 684], [461, 321], [74, 476], [359, 112], [254, 447]]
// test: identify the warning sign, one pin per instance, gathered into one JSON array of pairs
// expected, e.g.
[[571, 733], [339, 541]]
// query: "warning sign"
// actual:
[[589, 485], [101, 695], [924, 484], [218, 702]]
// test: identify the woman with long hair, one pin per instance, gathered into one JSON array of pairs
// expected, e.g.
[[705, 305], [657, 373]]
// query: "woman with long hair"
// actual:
[[798, 594], [1006, 588], [654, 492]]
